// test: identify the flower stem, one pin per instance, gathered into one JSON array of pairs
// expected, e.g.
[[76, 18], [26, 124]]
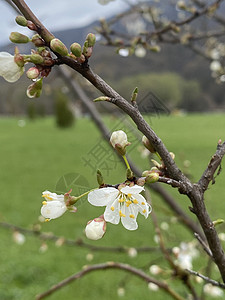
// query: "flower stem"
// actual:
[[126, 162]]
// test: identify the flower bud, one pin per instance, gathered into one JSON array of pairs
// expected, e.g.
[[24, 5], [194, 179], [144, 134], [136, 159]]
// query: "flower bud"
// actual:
[[58, 47], [147, 144], [152, 177], [37, 59], [34, 90], [155, 48], [33, 73], [172, 155], [81, 59], [18, 38], [119, 141], [102, 98], [100, 178], [18, 58], [21, 20], [37, 40], [96, 228], [76, 49], [91, 39], [31, 25]]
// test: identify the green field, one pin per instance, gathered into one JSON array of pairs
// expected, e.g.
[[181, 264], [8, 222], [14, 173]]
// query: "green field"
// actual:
[[34, 158]]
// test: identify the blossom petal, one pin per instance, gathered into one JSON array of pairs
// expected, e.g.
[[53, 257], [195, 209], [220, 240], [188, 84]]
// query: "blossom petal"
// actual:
[[129, 220], [9, 70], [111, 213], [53, 209], [136, 189], [102, 197], [143, 207]]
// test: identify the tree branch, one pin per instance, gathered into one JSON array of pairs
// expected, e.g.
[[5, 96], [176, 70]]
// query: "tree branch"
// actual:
[[111, 265]]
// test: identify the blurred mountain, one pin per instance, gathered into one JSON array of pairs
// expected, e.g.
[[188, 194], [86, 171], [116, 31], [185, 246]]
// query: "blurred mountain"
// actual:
[[113, 68]]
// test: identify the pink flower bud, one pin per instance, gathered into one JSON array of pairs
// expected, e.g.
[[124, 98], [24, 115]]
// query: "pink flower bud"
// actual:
[[33, 73]]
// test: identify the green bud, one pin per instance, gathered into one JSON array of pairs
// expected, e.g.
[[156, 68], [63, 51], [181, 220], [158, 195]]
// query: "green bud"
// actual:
[[18, 38], [91, 39], [85, 48], [76, 49], [156, 164], [152, 177], [102, 98], [37, 40], [57, 46], [155, 48], [100, 178], [37, 59], [218, 222], [21, 20], [134, 94]]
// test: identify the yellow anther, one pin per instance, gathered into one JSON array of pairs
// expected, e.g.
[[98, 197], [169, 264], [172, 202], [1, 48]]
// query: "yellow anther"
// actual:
[[142, 203], [128, 202], [47, 220], [121, 200], [129, 195], [135, 201], [44, 202], [132, 216], [112, 208], [144, 211], [121, 214]]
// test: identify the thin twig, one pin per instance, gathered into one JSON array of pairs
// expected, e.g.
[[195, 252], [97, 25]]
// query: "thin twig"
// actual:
[[111, 265], [207, 279]]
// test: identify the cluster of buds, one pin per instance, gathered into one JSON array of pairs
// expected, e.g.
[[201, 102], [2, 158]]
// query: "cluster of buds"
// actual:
[[159, 169], [11, 69], [81, 54]]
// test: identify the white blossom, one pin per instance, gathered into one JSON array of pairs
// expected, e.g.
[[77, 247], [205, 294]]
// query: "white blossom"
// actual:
[[124, 204], [213, 291], [215, 66], [185, 254], [9, 70], [140, 51], [54, 206], [19, 238], [153, 287]]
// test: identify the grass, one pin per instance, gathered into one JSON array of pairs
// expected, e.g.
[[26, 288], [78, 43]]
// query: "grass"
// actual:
[[35, 157]]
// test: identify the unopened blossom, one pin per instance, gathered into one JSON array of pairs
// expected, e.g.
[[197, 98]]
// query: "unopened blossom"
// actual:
[[213, 291], [9, 70], [215, 66], [119, 141], [95, 229], [124, 203], [54, 205], [18, 238]]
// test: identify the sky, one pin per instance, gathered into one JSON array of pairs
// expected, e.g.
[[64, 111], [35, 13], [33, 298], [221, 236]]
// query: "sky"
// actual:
[[57, 14]]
